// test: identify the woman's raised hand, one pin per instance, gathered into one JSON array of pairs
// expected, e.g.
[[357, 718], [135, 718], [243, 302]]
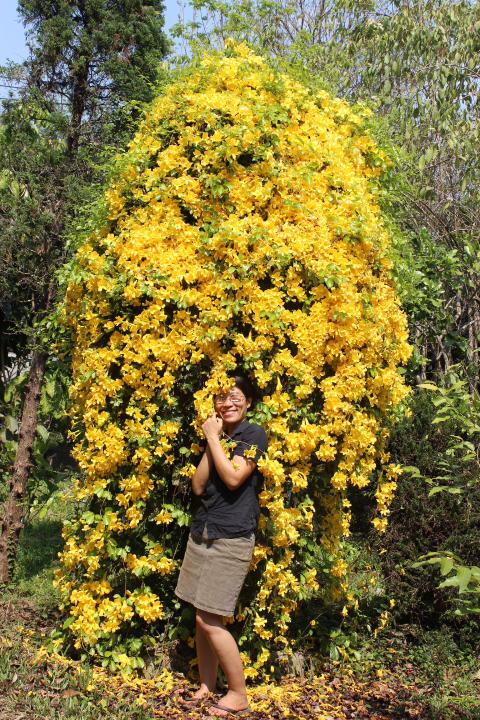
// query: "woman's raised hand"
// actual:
[[213, 426]]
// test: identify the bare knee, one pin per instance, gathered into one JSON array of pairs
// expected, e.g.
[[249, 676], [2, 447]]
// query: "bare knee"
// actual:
[[201, 624], [208, 622]]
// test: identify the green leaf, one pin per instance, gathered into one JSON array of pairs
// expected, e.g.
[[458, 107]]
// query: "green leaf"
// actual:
[[411, 470], [11, 423], [428, 386], [464, 575], [437, 489], [43, 432], [88, 517], [446, 564], [460, 580], [50, 388], [334, 654]]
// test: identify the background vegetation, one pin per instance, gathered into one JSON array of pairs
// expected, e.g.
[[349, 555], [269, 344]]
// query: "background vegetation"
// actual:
[[416, 64]]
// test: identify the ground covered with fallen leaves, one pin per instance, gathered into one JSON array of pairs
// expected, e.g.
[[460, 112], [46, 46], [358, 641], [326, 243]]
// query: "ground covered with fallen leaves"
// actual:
[[36, 684]]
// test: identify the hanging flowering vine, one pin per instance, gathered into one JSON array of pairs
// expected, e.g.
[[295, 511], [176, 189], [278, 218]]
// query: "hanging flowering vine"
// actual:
[[243, 230]]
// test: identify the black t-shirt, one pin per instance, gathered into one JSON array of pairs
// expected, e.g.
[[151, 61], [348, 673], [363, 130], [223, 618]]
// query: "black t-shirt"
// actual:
[[232, 513]]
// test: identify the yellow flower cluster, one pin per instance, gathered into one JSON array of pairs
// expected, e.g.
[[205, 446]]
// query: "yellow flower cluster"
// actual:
[[243, 230]]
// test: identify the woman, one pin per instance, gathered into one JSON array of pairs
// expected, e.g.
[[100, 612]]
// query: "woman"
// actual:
[[221, 541]]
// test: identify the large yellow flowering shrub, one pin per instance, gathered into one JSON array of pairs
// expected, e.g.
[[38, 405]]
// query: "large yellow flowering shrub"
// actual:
[[243, 231]]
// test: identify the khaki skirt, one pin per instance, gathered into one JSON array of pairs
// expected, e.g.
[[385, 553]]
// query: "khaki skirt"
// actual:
[[213, 572]]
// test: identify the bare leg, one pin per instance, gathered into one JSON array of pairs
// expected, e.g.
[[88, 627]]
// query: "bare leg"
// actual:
[[226, 650], [207, 663]]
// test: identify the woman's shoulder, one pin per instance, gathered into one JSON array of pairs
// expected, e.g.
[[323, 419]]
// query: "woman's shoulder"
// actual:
[[252, 430], [253, 427]]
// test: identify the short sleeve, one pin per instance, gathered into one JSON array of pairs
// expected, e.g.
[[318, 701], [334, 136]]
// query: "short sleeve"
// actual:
[[252, 443]]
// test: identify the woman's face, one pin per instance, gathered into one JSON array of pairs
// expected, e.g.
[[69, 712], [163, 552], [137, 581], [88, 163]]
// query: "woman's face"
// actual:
[[232, 406]]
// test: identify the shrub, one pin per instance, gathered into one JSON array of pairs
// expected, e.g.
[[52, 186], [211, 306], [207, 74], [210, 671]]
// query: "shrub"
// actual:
[[434, 514], [242, 231]]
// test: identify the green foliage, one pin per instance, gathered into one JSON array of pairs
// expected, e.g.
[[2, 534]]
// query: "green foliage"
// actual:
[[40, 545], [465, 579], [31, 158], [51, 464], [427, 274], [458, 414], [434, 520]]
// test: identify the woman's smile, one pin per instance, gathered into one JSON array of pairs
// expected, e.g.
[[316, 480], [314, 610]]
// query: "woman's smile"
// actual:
[[232, 416], [232, 411]]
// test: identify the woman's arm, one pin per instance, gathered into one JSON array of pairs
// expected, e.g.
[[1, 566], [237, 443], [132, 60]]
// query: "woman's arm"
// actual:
[[232, 472], [201, 475]]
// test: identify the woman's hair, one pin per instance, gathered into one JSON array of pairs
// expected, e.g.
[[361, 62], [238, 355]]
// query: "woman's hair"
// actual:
[[247, 387]]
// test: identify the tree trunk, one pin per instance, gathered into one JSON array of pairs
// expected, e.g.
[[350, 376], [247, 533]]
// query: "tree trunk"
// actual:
[[14, 508], [80, 88]]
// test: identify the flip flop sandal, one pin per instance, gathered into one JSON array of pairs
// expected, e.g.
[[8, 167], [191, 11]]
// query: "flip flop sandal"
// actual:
[[231, 711]]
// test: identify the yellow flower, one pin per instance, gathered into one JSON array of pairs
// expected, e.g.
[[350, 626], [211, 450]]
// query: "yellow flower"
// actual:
[[242, 230], [164, 517], [148, 606]]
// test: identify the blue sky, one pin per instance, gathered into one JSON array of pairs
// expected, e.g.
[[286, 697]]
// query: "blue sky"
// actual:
[[12, 35]]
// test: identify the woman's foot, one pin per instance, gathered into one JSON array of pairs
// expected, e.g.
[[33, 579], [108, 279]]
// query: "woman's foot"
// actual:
[[230, 704], [197, 698]]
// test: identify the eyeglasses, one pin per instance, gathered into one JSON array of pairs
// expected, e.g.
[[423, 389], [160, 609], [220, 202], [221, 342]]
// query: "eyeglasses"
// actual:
[[235, 398]]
